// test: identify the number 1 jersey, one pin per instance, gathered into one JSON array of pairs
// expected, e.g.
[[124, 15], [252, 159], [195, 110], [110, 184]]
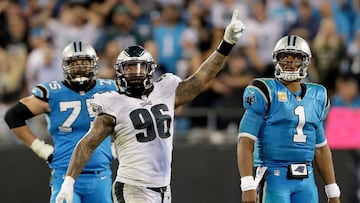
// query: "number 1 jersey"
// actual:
[[286, 126]]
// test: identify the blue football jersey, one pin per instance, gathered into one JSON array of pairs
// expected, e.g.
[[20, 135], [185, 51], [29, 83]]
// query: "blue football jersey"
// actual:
[[70, 118], [286, 126]]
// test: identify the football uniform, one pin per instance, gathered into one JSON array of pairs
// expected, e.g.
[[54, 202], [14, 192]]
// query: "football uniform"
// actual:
[[68, 121], [143, 133], [286, 127]]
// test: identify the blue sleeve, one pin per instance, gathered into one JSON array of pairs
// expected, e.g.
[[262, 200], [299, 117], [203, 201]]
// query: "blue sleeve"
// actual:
[[41, 91], [325, 111], [255, 104], [251, 122], [325, 101], [255, 100], [320, 134]]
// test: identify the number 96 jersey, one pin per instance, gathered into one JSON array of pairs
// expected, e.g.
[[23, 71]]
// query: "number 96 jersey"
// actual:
[[143, 133]]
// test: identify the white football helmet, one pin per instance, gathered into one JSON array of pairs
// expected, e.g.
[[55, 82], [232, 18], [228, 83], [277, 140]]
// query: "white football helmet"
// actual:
[[78, 73], [294, 45], [134, 71]]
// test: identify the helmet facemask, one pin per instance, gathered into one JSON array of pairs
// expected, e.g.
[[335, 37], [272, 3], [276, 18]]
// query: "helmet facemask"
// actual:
[[134, 71], [291, 57], [79, 70], [79, 65], [291, 65]]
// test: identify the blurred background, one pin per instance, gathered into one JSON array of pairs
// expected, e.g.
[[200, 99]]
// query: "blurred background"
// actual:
[[180, 34]]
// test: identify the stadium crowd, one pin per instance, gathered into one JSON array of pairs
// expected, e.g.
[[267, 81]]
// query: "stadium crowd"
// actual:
[[179, 34]]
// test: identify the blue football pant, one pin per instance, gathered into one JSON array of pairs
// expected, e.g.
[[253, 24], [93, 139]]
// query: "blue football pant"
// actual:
[[277, 188], [89, 188]]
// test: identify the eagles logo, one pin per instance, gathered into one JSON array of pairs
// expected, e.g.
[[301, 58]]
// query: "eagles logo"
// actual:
[[250, 99], [96, 108]]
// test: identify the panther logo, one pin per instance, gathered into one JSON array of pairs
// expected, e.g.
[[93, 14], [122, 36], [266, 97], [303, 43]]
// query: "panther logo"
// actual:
[[300, 169], [250, 99]]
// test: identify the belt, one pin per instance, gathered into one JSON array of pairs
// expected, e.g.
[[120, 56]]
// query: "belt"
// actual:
[[158, 189], [90, 172]]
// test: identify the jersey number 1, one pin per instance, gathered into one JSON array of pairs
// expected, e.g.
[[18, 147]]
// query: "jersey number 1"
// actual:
[[299, 136]]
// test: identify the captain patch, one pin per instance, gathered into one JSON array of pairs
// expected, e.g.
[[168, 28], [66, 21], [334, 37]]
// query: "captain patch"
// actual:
[[282, 97]]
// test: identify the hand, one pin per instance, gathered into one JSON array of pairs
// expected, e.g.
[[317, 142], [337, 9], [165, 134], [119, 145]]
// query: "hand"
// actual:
[[67, 191], [234, 30], [334, 200], [248, 196], [42, 149]]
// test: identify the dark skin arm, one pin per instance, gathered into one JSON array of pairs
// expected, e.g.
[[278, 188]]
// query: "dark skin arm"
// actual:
[[102, 127], [245, 150], [37, 107], [324, 164], [104, 124], [193, 85]]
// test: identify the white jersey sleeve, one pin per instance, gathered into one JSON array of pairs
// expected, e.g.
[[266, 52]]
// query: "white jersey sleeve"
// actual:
[[102, 103]]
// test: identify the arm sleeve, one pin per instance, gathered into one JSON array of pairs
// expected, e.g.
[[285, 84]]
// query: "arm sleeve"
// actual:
[[326, 105], [102, 106], [41, 92], [251, 123], [17, 115], [256, 104], [320, 136], [320, 131], [255, 99]]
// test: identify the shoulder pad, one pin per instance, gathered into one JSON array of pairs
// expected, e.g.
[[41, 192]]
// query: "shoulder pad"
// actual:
[[41, 91], [263, 88], [256, 97], [165, 75]]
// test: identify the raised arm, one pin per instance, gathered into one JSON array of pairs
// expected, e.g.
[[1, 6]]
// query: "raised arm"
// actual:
[[193, 85], [102, 127]]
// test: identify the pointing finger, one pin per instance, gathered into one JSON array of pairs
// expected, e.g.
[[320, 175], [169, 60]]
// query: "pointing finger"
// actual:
[[234, 16]]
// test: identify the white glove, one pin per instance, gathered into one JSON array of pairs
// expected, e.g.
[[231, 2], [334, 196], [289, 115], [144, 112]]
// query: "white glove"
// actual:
[[42, 149], [234, 30], [67, 190]]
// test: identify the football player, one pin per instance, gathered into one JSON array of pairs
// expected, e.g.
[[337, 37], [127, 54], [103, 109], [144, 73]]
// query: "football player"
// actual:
[[281, 132], [67, 107], [141, 118]]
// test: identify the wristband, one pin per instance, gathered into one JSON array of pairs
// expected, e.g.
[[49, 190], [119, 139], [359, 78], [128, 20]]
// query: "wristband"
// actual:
[[248, 183], [332, 190], [224, 48], [41, 149], [69, 181]]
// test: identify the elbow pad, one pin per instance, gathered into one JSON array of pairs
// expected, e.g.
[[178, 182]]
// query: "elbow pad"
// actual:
[[17, 115]]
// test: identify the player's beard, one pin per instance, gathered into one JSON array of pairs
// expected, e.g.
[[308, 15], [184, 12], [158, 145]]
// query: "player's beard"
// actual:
[[138, 90]]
